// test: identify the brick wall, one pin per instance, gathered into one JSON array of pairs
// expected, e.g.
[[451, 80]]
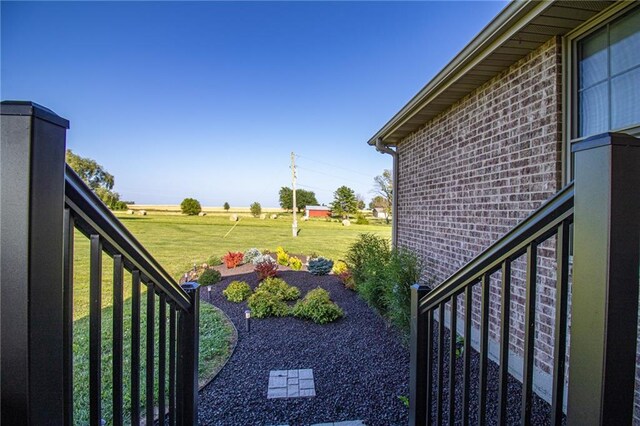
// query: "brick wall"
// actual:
[[475, 171]]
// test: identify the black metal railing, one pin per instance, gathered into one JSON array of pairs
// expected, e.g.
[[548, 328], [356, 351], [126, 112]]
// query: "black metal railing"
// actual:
[[46, 203], [604, 302]]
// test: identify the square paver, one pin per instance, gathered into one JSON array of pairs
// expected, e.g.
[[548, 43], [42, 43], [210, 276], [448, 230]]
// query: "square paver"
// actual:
[[291, 383]]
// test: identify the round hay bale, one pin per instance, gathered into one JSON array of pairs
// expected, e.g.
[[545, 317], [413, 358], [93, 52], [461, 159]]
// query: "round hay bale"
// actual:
[[346, 222], [202, 214], [263, 216], [142, 212], [274, 216], [233, 218], [130, 212]]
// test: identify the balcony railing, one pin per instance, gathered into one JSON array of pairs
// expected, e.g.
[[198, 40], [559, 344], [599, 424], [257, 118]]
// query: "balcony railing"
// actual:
[[603, 207], [43, 203]]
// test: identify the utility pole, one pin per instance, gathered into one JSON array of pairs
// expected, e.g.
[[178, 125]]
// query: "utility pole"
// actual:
[[294, 226]]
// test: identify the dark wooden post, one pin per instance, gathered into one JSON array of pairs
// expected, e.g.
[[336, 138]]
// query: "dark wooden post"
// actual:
[[606, 250], [187, 374], [418, 361], [31, 224]]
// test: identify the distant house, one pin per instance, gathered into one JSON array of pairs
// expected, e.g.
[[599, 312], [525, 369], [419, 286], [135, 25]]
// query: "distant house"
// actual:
[[317, 211], [379, 213]]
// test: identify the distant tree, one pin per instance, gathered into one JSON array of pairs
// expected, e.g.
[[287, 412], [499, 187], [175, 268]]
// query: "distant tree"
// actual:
[[383, 187], [190, 206], [344, 202], [256, 209], [361, 204], [378, 202], [226, 206], [303, 198], [97, 178]]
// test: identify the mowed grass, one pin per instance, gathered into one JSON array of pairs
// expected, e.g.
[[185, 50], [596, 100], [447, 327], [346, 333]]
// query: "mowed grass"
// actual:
[[177, 242]]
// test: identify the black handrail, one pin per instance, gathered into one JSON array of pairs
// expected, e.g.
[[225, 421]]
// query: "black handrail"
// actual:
[[513, 244], [91, 216]]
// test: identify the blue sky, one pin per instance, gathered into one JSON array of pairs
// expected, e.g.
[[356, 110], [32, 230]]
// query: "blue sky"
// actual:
[[208, 99]]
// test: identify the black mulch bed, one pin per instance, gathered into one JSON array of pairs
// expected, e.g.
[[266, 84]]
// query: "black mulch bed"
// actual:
[[359, 364]]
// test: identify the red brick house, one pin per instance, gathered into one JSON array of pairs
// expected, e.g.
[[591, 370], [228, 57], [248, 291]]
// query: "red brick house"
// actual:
[[489, 138], [317, 211]]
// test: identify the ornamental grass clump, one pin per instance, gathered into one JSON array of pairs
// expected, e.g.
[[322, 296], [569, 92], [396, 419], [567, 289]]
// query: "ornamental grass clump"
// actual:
[[264, 304], [279, 288], [317, 307], [320, 266], [403, 270], [237, 291], [209, 277], [367, 259]]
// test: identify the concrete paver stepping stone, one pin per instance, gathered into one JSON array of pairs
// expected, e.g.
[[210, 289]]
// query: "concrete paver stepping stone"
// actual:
[[291, 384]]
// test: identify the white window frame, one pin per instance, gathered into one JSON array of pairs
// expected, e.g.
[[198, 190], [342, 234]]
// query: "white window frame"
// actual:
[[569, 89]]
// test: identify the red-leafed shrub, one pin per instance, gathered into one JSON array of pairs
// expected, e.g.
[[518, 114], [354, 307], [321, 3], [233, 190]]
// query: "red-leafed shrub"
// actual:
[[233, 259], [266, 268], [347, 279]]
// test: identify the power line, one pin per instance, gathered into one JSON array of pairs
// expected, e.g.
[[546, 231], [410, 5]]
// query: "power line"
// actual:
[[333, 176]]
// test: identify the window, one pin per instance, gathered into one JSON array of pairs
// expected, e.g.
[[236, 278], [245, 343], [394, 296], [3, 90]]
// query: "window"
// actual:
[[607, 78]]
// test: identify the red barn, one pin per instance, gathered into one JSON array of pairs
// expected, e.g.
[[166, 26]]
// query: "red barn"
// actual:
[[317, 211]]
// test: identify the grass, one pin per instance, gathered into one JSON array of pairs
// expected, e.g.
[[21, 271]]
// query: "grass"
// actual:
[[178, 242]]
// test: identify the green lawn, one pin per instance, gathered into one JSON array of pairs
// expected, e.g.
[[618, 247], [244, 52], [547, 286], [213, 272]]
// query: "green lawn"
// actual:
[[177, 242]]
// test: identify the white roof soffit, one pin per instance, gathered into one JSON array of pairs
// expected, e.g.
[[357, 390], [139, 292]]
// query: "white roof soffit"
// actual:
[[521, 27]]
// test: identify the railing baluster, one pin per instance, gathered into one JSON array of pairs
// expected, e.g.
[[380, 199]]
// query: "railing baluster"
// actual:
[[440, 363], [95, 332], [505, 313], [68, 236], [484, 348], [162, 352], [172, 365], [118, 271], [529, 333], [468, 302], [560, 333], [135, 347], [429, 378], [150, 350], [453, 346]]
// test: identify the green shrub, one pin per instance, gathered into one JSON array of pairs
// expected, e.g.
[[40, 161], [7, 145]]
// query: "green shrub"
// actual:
[[279, 288], [361, 220], [320, 266], [317, 307], [190, 206], [264, 304], [214, 261], [282, 256], [119, 205], [295, 263], [237, 291], [367, 259], [209, 277], [403, 270]]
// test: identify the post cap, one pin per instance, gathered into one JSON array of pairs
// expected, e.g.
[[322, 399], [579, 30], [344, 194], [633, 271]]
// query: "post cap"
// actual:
[[190, 286], [28, 108], [605, 139]]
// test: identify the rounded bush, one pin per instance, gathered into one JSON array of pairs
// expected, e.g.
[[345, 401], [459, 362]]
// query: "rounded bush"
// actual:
[[279, 288], [295, 263], [237, 291], [251, 254], [317, 307], [209, 277], [190, 206], [264, 304], [320, 266]]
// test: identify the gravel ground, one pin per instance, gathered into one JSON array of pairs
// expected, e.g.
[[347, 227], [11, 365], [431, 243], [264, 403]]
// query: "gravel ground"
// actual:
[[359, 364]]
